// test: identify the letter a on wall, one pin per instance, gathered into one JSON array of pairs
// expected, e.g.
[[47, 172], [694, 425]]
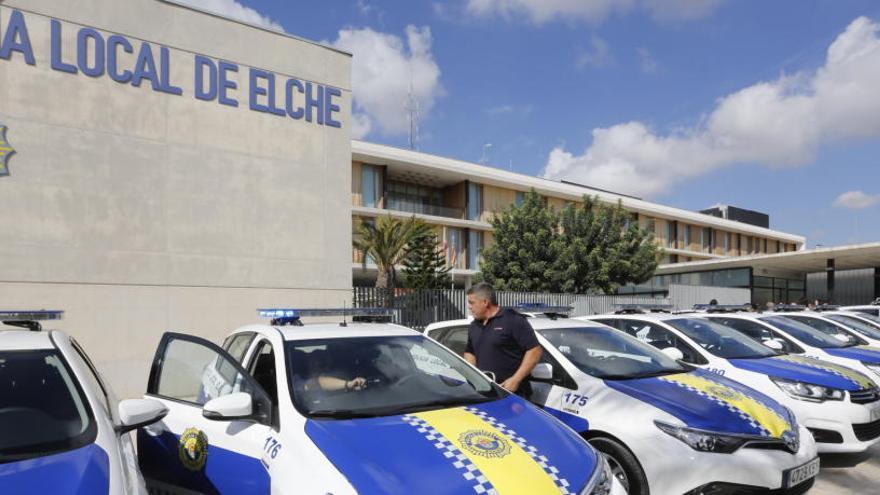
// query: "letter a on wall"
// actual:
[[6, 152]]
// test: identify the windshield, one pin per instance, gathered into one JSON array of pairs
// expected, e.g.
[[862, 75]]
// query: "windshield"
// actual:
[[828, 328], [380, 376], [42, 410], [805, 333], [610, 354], [721, 341], [867, 329]]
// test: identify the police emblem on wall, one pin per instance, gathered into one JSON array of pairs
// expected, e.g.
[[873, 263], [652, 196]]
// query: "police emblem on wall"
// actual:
[[193, 449], [484, 443], [6, 152]]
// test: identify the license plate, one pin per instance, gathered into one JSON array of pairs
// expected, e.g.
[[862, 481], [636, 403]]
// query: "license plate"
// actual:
[[875, 414], [796, 476]]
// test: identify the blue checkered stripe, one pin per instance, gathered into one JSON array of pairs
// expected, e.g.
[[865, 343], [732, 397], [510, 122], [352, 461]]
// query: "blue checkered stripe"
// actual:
[[745, 417], [460, 461], [819, 365], [542, 461]]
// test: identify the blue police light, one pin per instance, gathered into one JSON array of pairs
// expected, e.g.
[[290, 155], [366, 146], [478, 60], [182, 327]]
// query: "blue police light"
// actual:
[[29, 319], [548, 310], [292, 316], [634, 308]]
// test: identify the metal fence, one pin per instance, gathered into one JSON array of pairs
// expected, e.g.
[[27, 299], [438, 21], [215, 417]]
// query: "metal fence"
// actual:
[[417, 308]]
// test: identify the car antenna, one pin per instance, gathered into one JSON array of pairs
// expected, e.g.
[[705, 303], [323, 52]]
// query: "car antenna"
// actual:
[[344, 323]]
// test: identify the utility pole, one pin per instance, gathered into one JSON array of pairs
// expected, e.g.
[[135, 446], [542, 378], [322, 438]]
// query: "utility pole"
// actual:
[[484, 159], [413, 109]]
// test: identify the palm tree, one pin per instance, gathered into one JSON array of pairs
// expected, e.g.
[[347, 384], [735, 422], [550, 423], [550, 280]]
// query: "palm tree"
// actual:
[[386, 242]]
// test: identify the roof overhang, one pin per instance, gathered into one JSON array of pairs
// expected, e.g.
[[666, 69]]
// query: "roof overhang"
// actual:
[[798, 262]]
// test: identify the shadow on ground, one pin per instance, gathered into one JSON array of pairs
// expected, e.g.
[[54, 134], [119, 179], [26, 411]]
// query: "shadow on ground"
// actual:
[[849, 474]]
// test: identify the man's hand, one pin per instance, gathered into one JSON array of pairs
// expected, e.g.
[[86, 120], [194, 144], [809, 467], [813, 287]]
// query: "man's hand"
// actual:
[[358, 383], [511, 385]]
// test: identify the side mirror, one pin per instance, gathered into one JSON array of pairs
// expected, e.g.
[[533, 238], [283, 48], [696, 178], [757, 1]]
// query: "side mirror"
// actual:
[[137, 413], [843, 338], [774, 344], [542, 371], [229, 407], [673, 352]]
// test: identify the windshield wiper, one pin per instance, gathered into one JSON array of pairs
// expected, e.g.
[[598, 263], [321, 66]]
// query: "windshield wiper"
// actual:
[[343, 414], [435, 404], [648, 374]]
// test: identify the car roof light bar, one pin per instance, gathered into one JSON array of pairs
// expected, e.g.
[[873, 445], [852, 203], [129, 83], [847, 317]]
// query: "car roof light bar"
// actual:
[[292, 316], [721, 308], [634, 308], [29, 319]]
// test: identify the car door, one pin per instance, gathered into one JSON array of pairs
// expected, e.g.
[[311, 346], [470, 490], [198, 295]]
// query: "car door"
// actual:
[[561, 395], [186, 452]]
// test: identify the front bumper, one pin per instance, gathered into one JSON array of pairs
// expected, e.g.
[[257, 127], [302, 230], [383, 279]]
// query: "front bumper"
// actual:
[[676, 468], [839, 427]]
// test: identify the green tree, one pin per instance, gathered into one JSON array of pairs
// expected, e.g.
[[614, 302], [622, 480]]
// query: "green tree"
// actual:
[[523, 255], [386, 242], [600, 248], [425, 264]]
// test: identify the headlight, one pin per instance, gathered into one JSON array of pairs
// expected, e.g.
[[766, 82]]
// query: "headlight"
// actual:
[[704, 441], [873, 367], [602, 480], [808, 391]]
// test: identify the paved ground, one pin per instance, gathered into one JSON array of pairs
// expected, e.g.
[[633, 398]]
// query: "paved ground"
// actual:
[[849, 474]]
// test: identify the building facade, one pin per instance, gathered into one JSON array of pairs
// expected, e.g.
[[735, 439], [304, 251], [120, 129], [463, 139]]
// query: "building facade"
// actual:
[[460, 198], [173, 170]]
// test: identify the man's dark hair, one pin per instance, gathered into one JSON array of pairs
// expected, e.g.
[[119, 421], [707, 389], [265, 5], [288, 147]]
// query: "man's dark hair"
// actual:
[[484, 291]]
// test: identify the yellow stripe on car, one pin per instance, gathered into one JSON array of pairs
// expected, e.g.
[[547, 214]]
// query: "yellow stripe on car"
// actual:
[[850, 374], [767, 418], [508, 467]]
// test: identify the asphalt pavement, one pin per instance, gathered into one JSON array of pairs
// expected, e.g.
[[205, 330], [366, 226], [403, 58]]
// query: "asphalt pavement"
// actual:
[[849, 474]]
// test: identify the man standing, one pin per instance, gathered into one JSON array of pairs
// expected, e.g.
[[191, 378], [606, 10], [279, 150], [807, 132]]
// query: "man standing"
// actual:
[[501, 341]]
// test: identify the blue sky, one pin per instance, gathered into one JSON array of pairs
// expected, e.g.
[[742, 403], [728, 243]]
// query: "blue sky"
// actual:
[[535, 79]]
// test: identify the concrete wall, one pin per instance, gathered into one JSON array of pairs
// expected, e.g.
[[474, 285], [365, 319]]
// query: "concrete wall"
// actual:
[[851, 287], [138, 211]]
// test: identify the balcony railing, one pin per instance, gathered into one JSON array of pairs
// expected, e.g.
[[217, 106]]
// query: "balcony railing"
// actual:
[[413, 204]]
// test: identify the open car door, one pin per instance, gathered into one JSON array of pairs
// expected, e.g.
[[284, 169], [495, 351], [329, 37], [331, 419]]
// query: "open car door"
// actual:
[[219, 417]]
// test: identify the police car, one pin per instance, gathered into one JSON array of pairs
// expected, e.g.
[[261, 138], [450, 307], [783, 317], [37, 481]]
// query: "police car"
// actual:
[[350, 407], [837, 404], [61, 428], [665, 427], [867, 326], [794, 337], [846, 327], [870, 309]]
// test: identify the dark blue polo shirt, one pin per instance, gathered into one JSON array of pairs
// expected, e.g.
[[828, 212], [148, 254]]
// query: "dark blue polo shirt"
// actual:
[[501, 344]]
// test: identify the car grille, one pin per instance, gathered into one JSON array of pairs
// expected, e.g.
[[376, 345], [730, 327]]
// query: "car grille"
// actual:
[[719, 488], [867, 431], [864, 396]]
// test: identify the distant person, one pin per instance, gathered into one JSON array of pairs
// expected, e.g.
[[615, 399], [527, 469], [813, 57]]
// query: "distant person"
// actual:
[[501, 341], [752, 308], [770, 306]]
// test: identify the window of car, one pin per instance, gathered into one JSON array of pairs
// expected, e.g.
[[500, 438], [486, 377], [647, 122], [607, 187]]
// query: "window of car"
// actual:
[[758, 332], [720, 340], [193, 373], [399, 375], [238, 344], [660, 338], [804, 333], [93, 377], [609, 354], [867, 329], [455, 339], [262, 369], [829, 328], [43, 410], [560, 377]]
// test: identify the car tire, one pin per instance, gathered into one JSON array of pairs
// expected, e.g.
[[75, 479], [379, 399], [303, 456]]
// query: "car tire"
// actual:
[[624, 465]]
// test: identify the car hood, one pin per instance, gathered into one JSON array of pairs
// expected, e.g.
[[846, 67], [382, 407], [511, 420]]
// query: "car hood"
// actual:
[[508, 445], [710, 402], [805, 369], [864, 353], [83, 471]]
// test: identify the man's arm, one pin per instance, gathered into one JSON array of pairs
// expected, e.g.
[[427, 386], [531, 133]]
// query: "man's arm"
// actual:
[[470, 358], [530, 359]]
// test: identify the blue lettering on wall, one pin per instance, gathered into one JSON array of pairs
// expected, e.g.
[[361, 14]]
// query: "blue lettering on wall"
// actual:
[[16, 39], [96, 56]]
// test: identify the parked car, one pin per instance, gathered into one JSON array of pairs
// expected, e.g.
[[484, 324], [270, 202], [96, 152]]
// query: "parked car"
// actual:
[[666, 427], [61, 428], [347, 408], [838, 405]]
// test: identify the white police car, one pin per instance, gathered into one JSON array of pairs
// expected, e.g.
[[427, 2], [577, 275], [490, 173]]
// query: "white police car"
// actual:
[[349, 408], [834, 402], [848, 329], [61, 428], [870, 309], [664, 426], [866, 325]]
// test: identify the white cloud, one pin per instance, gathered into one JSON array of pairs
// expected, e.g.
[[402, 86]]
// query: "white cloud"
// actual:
[[779, 123], [508, 110], [646, 61], [235, 10], [599, 55], [856, 200], [680, 10], [541, 11], [382, 70], [591, 11]]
